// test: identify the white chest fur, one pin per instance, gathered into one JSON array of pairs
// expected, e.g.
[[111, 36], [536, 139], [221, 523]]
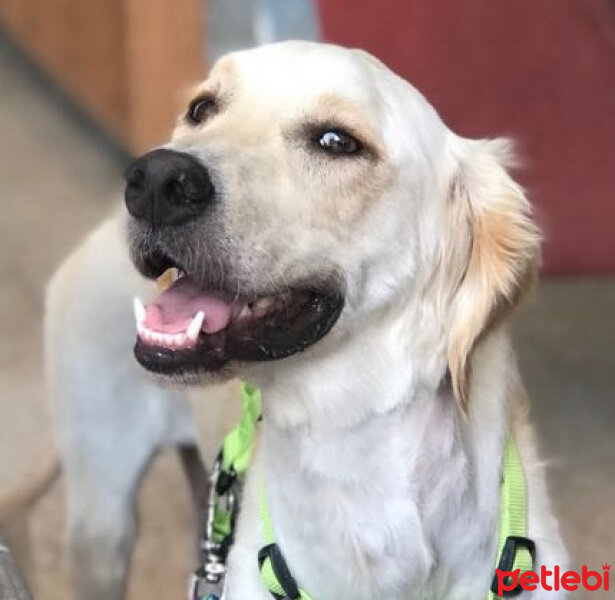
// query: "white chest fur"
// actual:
[[370, 511], [352, 513], [399, 504]]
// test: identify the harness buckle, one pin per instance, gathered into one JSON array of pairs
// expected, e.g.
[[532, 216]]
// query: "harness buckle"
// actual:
[[280, 569], [512, 544]]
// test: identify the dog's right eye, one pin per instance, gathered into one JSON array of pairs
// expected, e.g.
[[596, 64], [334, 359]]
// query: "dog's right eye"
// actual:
[[200, 110], [336, 141]]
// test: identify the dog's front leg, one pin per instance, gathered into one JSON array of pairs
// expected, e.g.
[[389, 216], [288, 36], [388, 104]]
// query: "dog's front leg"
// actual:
[[104, 467], [109, 416], [101, 521]]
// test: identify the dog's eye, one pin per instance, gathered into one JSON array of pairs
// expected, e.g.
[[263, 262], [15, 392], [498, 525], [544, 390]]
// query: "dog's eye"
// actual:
[[335, 141], [200, 109]]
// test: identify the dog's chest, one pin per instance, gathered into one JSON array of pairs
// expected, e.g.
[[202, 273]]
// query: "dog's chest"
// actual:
[[379, 511], [351, 519]]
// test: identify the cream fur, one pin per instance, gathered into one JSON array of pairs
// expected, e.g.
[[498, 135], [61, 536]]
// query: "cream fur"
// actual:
[[381, 445]]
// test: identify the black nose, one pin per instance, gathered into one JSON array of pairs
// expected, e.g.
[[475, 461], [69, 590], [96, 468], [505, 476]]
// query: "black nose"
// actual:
[[164, 187]]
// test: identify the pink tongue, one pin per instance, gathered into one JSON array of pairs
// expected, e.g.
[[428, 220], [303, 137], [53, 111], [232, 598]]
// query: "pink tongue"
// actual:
[[174, 309]]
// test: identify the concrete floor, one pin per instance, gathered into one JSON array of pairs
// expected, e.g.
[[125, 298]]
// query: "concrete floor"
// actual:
[[57, 180]]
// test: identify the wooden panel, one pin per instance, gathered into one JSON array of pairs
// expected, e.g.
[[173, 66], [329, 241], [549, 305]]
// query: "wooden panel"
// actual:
[[15, 16], [81, 45], [95, 66], [126, 61], [164, 59]]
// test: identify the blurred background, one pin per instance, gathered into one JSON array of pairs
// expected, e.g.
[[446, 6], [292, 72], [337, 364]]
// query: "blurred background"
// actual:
[[85, 85]]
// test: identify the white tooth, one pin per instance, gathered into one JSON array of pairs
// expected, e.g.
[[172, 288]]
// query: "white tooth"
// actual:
[[180, 340], [139, 309], [245, 312], [168, 339], [192, 333], [174, 274]]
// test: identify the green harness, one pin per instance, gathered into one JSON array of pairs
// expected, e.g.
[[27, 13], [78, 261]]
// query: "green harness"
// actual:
[[515, 550]]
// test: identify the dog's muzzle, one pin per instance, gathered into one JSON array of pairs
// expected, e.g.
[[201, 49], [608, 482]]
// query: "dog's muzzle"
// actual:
[[205, 319]]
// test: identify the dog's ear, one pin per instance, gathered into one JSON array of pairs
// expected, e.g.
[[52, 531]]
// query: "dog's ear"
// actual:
[[501, 251]]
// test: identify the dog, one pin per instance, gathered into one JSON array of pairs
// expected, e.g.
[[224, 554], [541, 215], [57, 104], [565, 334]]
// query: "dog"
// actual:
[[341, 248]]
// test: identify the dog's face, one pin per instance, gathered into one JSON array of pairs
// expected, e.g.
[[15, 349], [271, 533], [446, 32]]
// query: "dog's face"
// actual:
[[304, 190]]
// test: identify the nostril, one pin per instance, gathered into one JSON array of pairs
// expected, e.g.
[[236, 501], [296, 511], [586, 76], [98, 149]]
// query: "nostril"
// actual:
[[185, 189], [175, 193], [135, 178]]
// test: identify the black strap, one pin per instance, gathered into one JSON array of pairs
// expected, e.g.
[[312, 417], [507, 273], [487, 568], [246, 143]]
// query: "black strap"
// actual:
[[507, 561], [282, 572]]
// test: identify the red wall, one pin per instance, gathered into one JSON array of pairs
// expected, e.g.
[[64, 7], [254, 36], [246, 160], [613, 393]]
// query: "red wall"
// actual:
[[541, 71]]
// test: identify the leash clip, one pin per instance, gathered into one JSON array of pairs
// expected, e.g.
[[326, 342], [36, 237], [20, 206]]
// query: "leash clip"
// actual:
[[222, 506], [208, 582]]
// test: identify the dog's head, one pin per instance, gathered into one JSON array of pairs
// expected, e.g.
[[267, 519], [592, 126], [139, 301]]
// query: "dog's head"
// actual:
[[306, 191]]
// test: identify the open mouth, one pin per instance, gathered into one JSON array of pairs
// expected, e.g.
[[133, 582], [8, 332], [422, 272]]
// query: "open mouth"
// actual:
[[189, 329]]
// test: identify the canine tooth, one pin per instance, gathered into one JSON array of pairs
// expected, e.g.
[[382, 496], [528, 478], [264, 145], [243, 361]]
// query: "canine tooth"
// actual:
[[139, 309], [192, 333]]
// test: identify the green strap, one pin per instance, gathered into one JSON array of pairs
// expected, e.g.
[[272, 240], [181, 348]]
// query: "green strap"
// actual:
[[513, 508], [268, 575], [237, 445], [267, 527], [513, 503], [222, 526], [236, 454]]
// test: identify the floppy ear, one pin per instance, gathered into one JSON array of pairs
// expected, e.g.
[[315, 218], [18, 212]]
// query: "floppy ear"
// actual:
[[503, 255]]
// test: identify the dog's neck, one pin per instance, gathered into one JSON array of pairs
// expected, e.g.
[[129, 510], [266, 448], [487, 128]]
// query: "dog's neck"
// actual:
[[369, 464], [343, 383]]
